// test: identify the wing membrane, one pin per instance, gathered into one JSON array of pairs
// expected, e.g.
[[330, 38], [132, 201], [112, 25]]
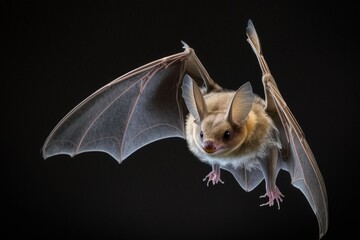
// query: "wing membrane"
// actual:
[[140, 107], [298, 159], [248, 179]]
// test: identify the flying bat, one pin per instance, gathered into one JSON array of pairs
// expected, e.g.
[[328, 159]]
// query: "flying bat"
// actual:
[[238, 131]]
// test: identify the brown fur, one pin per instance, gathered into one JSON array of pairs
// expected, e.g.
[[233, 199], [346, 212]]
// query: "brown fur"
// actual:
[[250, 140]]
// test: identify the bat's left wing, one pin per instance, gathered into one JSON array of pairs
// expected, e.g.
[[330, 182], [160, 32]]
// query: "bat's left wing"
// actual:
[[297, 156], [140, 107]]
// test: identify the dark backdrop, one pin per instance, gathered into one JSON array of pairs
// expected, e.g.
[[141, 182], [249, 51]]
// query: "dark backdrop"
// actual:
[[56, 54]]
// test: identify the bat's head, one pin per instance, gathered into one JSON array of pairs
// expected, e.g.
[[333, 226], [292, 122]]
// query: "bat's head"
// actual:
[[217, 136], [218, 120]]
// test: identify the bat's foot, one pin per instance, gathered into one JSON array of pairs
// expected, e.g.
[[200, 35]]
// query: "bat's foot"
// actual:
[[214, 177], [273, 195]]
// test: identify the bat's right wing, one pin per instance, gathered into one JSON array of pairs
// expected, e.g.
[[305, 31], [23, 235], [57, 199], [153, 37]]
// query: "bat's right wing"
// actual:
[[140, 107]]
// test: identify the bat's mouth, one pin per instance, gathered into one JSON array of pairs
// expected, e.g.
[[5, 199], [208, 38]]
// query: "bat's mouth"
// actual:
[[212, 148], [209, 149]]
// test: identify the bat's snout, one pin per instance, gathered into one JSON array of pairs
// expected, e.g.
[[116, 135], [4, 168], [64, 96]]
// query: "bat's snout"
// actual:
[[209, 147]]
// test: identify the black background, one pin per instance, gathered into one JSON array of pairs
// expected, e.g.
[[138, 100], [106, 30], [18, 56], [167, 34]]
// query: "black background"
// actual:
[[59, 53]]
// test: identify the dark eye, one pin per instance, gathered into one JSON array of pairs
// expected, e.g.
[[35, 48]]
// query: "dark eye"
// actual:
[[226, 135], [201, 134]]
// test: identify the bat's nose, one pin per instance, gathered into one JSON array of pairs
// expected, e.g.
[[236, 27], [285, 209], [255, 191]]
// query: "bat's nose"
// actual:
[[209, 147]]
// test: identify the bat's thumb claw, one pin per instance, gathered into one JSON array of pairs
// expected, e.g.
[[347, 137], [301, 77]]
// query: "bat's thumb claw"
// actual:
[[185, 46]]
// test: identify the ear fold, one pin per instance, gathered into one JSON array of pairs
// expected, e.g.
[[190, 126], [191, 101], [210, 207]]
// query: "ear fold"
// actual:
[[194, 99], [241, 104]]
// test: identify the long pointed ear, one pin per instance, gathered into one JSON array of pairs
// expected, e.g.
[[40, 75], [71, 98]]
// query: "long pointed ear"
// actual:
[[194, 99], [241, 104]]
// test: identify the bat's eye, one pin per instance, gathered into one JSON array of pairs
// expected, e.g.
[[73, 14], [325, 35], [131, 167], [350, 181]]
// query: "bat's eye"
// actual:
[[226, 135], [201, 134]]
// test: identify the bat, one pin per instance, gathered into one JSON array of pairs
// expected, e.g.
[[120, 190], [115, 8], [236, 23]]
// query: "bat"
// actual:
[[237, 131]]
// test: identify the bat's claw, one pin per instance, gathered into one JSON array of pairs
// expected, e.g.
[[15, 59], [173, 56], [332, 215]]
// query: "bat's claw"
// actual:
[[214, 177], [273, 195]]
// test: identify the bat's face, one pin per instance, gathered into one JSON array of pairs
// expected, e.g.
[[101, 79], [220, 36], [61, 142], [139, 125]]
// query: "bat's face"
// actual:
[[216, 125], [217, 136]]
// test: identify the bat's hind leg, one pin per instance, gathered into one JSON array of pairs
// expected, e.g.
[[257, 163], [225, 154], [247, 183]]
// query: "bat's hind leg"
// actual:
[[270, 169], [214, 175]]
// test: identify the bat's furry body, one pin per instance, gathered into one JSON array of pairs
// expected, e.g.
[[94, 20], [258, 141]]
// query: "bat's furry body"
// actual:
[[233, 130], [259, 133]]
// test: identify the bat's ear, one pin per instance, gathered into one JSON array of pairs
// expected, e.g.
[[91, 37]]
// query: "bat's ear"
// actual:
[[241, 105], [194, 99]]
